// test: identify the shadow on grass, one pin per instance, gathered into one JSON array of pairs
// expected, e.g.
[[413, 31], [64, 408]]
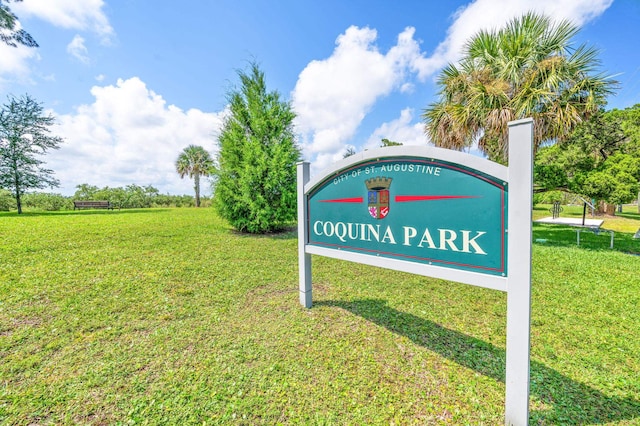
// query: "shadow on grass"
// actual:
[[570, 402], [14, 214]]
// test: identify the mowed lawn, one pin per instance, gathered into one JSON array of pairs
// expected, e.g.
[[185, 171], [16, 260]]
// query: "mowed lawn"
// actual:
[[169, 317]]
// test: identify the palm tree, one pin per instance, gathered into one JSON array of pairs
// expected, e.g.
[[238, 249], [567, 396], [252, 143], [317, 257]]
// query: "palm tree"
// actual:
[[530, 68], [194, 161]]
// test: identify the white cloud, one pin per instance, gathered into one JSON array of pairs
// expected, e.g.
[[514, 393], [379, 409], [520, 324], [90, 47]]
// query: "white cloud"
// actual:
[[85, 15], [129, 135], [78, 50], [14, 62], [332, 96], [402, 130]]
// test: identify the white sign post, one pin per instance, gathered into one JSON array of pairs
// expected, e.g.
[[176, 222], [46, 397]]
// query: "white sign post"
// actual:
[[519, 265], [515, 279], [304, 258]]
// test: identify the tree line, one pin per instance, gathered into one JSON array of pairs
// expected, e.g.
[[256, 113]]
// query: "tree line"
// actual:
[[128, 197]]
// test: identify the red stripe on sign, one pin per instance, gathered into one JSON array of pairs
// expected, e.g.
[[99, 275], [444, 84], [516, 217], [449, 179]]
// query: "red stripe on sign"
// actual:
[[344, 200], [406, 198]]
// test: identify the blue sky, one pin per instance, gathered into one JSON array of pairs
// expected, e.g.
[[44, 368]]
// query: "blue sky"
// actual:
[[132, 82]]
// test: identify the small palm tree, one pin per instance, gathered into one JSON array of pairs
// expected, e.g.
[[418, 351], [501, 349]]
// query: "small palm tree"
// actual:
[[194, 161], [530, 68]]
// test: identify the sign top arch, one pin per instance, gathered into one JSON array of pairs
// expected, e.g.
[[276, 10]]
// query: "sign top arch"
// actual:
[[471, 161]]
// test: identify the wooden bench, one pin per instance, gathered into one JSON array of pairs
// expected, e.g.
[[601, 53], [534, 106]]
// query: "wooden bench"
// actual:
[[83, 204]]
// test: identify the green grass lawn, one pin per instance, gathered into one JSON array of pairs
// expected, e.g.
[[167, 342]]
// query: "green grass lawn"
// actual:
[[169, 317]]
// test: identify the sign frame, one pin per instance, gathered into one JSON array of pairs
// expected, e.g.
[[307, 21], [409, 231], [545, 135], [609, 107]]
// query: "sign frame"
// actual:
[[518, 178], [400, 153]]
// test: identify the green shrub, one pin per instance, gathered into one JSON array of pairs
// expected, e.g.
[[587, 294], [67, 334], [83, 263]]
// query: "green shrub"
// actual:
[[134, 197], [6, 201], [47, 202]]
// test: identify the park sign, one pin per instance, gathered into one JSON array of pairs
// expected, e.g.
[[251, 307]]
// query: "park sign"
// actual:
[[413, 208], [433, 212]]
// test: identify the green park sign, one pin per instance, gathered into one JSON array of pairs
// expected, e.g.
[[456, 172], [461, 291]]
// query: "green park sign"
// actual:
[[415, 209], [433, 212]]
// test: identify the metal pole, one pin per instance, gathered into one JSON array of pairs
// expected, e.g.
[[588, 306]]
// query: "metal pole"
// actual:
[[304, 259], [519, 271]]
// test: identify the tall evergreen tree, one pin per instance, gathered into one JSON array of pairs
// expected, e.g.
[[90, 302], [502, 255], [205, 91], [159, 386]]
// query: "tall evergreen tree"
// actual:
[[194, 161], [255, 188], [24, 138], [530, 68]]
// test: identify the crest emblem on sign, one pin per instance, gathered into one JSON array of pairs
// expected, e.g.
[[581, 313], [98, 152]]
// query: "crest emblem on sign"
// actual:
[[378, 195]]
